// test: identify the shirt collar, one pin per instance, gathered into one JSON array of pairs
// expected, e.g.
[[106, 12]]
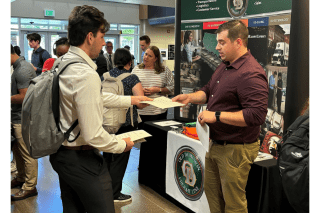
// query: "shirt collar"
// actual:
[[237, 63], [37, 50], [82, 54], [15, 64]]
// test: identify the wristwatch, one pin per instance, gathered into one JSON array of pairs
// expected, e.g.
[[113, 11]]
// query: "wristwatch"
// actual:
[[218, 116]]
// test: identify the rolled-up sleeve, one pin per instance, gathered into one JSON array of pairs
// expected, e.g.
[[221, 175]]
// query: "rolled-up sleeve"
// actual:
[[253, 96]]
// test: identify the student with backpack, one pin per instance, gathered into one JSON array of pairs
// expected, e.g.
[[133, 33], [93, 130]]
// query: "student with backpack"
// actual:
[[84, 178], [131, 86], [39, 55]]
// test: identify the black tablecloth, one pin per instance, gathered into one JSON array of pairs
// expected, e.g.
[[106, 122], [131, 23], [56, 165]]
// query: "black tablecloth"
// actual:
[[264, 190]]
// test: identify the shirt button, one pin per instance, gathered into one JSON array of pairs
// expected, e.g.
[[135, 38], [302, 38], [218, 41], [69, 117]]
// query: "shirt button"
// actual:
[[211, 95], [218, 82], [226, 69]]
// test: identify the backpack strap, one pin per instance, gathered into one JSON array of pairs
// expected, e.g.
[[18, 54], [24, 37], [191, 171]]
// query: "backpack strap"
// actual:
[[61, 65], [121, 77], [40, 57]]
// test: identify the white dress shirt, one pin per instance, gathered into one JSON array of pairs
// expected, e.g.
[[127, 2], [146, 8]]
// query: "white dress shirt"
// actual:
[[80, 98]]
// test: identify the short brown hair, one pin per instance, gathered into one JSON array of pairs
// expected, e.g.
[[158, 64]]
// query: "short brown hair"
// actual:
[[158, 66], [85, 19], [145, 38], [34, 37], [236, 29]]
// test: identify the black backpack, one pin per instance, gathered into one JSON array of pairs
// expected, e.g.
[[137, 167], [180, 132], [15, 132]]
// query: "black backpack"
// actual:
[[293, 163]]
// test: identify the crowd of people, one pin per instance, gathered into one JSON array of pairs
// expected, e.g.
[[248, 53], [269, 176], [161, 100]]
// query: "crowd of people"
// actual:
[[236, 97], [87, 27]]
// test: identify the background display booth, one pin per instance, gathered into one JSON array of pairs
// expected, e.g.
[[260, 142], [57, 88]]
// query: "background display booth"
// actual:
[[272, 41]]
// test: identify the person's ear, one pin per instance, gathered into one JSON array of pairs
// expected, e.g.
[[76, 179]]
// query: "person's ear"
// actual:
[[90, 38], [239, 42]]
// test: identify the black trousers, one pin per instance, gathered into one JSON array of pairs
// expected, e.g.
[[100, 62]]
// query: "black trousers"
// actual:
[[270, 98], [85, 182], [279, 100], [117, 164]]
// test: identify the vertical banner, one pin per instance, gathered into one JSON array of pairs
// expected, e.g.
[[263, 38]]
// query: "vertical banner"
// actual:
[[185, 172]]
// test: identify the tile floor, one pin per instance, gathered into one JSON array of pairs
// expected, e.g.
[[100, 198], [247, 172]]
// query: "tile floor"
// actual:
[[48, 200]]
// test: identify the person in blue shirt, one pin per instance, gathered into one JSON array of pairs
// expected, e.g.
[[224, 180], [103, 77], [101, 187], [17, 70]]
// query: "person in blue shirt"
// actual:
[[39, 55], [272, 83]]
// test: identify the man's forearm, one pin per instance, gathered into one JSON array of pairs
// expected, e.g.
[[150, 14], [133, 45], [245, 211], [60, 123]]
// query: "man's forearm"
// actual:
[[233, 118], [198, 97], [17, 99]]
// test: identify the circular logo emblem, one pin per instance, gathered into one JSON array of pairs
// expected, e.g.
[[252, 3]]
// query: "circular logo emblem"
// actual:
[[189, 173], [237, 8]]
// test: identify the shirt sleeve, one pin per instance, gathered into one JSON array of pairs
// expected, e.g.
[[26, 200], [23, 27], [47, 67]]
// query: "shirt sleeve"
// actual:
[[111, 100], [253, 96], [169, 84], [88, 106], [24, 76], [134, 80]]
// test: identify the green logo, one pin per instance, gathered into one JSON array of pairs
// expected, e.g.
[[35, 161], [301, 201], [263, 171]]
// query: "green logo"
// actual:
[[237, 8], [189, 173]]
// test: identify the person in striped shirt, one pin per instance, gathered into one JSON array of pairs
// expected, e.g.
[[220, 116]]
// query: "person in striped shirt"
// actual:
[[157, 80]]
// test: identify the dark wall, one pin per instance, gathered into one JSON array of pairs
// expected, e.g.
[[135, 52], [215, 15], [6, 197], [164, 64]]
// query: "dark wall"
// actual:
[[298, 68], [159, 12]]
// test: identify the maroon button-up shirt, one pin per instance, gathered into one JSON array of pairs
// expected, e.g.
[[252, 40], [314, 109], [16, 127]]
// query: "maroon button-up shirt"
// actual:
[[241, 85]]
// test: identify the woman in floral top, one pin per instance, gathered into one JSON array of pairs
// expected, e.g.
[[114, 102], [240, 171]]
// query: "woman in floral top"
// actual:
[[132, 86]]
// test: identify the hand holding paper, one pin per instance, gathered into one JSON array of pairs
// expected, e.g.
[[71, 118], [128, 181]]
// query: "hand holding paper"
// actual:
[[135, 136], [163, 103], [203, 131]]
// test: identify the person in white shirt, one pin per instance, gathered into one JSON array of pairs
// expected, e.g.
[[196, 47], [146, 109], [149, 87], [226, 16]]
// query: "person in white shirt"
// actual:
[[84, 178], [109, 56]]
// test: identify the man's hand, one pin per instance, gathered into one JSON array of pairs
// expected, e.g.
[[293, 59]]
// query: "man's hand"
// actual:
[[129, 144], [206, 117], [182, 98], [135, 100], [151, 90]]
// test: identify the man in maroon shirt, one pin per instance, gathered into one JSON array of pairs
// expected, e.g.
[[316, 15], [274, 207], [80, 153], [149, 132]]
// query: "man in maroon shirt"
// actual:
[[237, 99]]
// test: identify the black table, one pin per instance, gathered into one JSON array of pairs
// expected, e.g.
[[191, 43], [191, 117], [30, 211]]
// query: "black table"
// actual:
[[264, 190]]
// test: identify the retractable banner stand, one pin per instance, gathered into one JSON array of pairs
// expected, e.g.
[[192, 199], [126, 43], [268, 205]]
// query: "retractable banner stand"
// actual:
[[185, 172]]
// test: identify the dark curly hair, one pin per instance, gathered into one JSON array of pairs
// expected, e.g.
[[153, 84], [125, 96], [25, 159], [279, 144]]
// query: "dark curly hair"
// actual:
[[85, 19]]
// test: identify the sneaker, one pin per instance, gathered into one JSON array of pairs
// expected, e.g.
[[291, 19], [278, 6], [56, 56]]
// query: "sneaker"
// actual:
[[122, 198]]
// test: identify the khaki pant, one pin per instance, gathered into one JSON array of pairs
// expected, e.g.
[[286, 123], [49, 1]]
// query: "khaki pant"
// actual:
[[27, 166], [226, 173]]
